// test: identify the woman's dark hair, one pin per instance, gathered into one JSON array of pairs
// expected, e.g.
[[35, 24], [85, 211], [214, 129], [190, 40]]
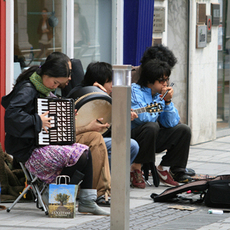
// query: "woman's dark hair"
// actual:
[[100, 72], [159, 52], [58, 55], [55, 67], [153, 70]]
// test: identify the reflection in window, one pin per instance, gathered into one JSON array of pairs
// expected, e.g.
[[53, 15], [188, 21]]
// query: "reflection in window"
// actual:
[[223, 67], [92, 31], [37, 30], [45, 33], [34, 38]]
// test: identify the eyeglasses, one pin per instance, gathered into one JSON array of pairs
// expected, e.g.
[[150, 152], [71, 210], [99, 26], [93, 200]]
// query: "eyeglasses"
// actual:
[[163, 80]]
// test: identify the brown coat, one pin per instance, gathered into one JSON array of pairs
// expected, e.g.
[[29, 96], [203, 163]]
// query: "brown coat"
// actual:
[[39, 30], [101, 171]]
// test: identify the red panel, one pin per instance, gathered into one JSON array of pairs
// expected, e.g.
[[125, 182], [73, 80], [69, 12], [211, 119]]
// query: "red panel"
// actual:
[[2, 67]]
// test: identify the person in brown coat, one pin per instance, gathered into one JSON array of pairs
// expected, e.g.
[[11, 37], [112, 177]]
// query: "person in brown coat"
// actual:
[[45, 32]]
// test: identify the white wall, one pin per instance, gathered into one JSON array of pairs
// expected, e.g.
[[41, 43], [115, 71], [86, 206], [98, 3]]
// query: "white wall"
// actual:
[[202, 76], [175, 37], [177, 42], [203, 82]]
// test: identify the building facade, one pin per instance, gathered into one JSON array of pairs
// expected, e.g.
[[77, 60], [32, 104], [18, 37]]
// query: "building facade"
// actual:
[[118, 32]]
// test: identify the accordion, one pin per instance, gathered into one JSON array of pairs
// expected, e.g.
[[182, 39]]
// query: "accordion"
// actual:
[[62, 112]]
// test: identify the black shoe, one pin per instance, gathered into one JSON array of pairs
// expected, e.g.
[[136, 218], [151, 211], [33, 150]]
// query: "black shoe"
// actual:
[[180, 177], [190, 172], [101, 201]]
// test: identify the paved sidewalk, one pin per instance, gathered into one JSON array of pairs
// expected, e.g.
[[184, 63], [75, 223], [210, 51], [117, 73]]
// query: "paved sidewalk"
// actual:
[[208, 158]]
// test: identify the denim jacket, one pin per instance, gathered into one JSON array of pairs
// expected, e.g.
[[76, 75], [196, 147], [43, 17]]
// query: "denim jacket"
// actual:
[[141, 97]]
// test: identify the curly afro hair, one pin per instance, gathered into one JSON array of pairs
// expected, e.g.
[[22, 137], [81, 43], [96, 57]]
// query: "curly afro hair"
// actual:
[[159, 52]]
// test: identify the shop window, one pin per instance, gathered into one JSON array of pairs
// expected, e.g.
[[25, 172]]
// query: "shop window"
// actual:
[[40, 28], [92, 30], [223, 94], [37, 31]]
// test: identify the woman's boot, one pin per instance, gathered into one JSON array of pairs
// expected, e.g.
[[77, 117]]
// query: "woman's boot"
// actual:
[[87, 204], [77, 177]]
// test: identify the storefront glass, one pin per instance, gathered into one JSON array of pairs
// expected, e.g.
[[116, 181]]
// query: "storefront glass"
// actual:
[[37, 31], [223, 95], [92, 30], [40, 28]]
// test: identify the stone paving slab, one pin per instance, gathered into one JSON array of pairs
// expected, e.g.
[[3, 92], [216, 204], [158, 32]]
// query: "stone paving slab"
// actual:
[[207, 158], [160, 216]]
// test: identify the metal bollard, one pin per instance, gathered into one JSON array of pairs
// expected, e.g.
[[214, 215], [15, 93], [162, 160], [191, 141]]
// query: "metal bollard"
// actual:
[[120, 157]]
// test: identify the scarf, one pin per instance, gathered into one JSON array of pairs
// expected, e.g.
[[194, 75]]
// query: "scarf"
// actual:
[[37, 82]]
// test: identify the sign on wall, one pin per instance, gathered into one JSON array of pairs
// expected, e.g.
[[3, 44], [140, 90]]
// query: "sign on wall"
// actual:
[[159, 20], [215, 11], [156, 41], [209, 26], [200, 13], [201, 36]]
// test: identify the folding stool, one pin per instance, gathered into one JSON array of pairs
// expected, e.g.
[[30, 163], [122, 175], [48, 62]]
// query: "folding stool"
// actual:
[[151, 166], [37, 187]]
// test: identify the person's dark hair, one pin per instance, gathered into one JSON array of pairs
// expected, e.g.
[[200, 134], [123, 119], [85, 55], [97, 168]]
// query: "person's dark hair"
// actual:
[[153, 70], [55, 67], [159, 52], [57, 55], [100, 72]]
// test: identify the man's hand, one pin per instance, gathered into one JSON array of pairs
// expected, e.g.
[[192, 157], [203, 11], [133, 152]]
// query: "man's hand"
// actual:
[[169, 95], [97, 125], [45, 121], [133, 115], [99, 86]]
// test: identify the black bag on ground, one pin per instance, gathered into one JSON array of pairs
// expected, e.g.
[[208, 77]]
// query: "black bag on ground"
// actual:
[[215, 192], [218, 194]]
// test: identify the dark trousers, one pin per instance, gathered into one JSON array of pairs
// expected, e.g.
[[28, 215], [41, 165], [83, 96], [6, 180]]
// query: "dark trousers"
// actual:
[[153, 138], [84, 166]]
